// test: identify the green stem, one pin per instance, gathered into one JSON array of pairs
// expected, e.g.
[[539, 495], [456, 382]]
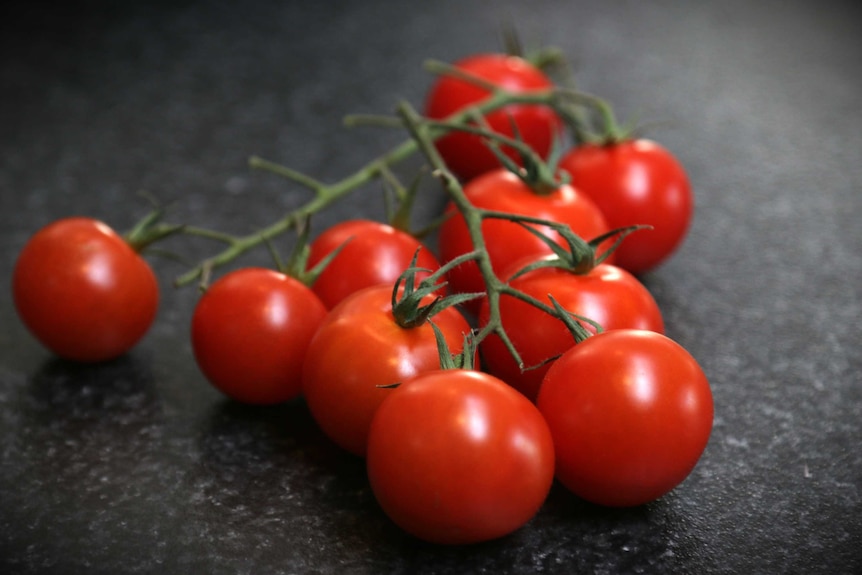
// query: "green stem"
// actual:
[[473, 218], [326, 195]]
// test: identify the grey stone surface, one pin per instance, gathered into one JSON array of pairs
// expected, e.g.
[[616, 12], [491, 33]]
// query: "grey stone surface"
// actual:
[[138, 466]]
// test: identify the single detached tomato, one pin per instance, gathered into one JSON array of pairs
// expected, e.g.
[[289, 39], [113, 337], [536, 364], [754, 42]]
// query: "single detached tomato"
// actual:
[[607, 294], [83, 291], [457, 456], [361, 347], [630, 412], [505, 241], [250, 332], [467, 155], [375, 253], [636, 182]]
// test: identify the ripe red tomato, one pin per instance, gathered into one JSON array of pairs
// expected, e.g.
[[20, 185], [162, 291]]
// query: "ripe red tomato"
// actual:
[[636, 182], [507, 242], [457, 456], [466, 154], [607, 294], [360, 347], [82, 290], [377, 253], [250, 331], [630, 412]]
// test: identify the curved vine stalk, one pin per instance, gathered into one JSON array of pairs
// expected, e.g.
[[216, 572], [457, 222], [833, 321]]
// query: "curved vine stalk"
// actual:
[[422, 132], [327, 194]]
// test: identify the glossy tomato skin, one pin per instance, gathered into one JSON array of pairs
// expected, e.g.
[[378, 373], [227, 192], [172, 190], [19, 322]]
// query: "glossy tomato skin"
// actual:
[[631, 412], [636, 182], [507, 242], [376, 253], [250, 332], [82, 290], [360, 347], [467, 155], [607, 294], [458, 457]]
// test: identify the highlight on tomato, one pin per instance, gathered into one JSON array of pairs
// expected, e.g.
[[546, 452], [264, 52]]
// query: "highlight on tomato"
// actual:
[[457, 456], [83, 291], [366, 343], [250, 332], [635, 182], [630, 412], [467, 155], [606, 294], [506, 241], [370, 253]]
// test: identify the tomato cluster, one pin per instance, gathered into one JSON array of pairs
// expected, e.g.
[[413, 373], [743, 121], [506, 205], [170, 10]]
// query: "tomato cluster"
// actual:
[[528, 351]]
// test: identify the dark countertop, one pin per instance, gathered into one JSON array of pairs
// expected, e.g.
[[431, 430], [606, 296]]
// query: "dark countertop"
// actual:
[[138, 466]]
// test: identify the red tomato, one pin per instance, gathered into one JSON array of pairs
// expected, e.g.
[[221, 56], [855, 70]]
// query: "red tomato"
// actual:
[[538, 126], [360, 347], [630, 412], [607, 294], [82, 290], [507, 242], [457, 456], [250, 332], [377, 253], [636, 182]]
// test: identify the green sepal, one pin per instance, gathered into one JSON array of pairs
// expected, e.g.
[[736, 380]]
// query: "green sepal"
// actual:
[[448, 360], [581, 256], [578, 331], [150, 229]]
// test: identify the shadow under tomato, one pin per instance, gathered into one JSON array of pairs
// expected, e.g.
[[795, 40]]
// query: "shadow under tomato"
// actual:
[[120, 391], [274, 462], [234, 431], [246, 443]]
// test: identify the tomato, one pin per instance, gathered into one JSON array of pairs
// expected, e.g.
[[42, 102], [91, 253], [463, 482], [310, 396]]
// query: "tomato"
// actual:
[[636, 182], [607, 294], [467, 155], [83, 291], [507, 242], [457, 456], [250, 332], [360, 347], [376, 253], [630, 412]]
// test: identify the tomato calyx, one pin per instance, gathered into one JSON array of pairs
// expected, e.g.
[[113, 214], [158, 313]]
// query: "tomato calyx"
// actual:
[[600, 126], [578, 256], [542, 57], [465, 359], [578, 331], [150, 229], [408, 308], [540, 176], [297, 263]]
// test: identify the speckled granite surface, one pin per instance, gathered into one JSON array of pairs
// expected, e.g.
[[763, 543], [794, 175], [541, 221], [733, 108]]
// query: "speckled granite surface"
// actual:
[[138, 466]]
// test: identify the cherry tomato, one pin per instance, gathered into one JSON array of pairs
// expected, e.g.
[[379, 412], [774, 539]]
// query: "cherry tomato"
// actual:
[[250, 332], [507, 242], [636, 182], [83, 291], [360, 347], [466, 154], [457, 456], [376, 253], [607, 294], [630, 412]]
